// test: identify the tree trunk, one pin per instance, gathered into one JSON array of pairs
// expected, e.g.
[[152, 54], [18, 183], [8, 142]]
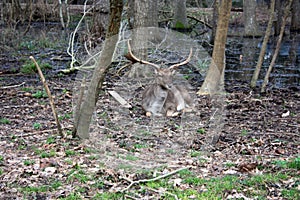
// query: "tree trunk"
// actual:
[[264, 46], [214, 21], [216, 69], [295, 22], [250, 22], [214, 80], [89, 103], [180, 18], [145, 15], [286, 14], [279, 13]]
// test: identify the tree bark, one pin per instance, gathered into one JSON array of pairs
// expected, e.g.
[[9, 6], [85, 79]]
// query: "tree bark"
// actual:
[[279, 13], [214, 20], [286, 14], [264, 46], [214, 80], [180, 17], [295, 22], [215, 73], [145, 15], [250, 22], [89, 103]]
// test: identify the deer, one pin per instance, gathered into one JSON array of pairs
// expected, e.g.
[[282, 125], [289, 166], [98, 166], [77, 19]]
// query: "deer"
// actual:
[[163, 97]]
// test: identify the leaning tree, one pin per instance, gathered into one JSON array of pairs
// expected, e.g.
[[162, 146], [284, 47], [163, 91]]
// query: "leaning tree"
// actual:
[[85, 111]]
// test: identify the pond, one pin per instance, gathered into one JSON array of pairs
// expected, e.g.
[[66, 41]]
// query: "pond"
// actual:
[[242, 55]]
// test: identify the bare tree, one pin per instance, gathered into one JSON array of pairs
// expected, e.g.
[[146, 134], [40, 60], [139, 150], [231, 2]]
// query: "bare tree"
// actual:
[[264, 46], [216, 69], [214, 81], [279, 14], [295, 22], [214, 20], [84, 117], [249, 8], [286, 14], [180, 17], [145, 15]]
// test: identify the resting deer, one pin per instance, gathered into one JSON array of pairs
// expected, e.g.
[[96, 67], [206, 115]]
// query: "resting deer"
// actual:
[[163, 97]]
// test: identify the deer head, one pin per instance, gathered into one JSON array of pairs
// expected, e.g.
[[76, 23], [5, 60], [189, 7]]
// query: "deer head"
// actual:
[[164, 77]]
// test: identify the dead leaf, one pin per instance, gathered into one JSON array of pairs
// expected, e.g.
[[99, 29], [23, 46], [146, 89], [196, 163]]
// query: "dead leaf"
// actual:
[[247, 167]]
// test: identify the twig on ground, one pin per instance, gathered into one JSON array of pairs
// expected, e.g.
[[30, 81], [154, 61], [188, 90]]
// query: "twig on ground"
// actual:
[[59, 128], [36, 132], [131, 197], [166, 192], [150, 180], [12, 86]]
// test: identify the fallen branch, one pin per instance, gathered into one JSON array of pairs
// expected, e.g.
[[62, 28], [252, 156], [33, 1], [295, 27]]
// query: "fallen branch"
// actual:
[[119, 99], [12, 86], [150, 180], [59, 128]]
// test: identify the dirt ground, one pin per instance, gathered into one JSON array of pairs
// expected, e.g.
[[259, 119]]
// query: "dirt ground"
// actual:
[[258, 129]]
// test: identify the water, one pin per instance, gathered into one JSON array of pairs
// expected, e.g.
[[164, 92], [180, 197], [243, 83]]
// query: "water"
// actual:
[[242, 55]]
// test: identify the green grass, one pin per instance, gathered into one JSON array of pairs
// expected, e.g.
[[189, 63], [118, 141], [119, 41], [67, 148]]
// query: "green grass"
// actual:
[[140, 146], [28, 162], [65, 116], [36, 126], [27, 89], [45, 154], [244, 132], [201, 131], [40, 94], [50, 140], [214, 188], [195, 153], [70, 152], [78, 175], [292, 164], [35, 189], [29, 67], [108, 196], [4, 121]]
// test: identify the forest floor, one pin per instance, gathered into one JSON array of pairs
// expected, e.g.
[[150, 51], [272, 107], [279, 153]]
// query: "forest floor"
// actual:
[[257, 155]]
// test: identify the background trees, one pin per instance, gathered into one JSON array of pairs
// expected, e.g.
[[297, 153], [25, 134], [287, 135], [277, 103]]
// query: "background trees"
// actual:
[[145, 14], [250, 23]]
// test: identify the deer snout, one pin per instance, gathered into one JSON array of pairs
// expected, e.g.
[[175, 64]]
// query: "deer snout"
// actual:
[[169, 86]]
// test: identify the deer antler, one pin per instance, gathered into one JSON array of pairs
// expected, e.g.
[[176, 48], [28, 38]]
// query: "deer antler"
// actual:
[[134, 58], [183, 62]]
